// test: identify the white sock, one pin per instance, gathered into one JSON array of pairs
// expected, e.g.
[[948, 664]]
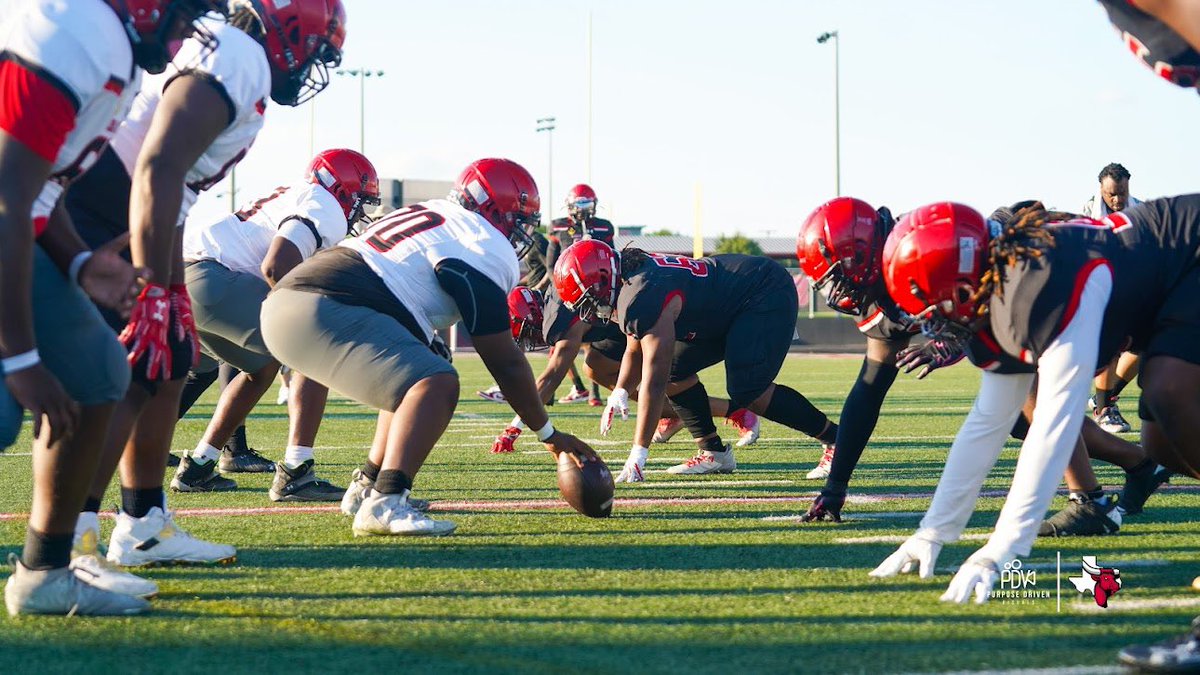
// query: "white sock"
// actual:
[[295, 455], [205, 453]]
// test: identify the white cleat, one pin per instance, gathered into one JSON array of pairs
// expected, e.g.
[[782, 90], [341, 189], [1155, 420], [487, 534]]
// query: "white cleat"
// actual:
[[90, 566], [156, 540], [821, 471], [707, 462], [282, 398], [61, 592], [667, 428], [392, 515], [747, 424], [359, 489]]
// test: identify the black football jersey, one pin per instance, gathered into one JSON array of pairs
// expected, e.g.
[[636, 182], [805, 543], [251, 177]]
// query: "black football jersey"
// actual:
[[882, 320], [986, 354], [1155, 43], [567, 232], [557, 319], [1150, 248], [713, 291]]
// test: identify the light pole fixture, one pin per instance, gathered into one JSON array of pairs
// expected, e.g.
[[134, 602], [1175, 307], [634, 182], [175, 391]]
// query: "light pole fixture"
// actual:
[[362, 74], [547, 124], [837, 112]]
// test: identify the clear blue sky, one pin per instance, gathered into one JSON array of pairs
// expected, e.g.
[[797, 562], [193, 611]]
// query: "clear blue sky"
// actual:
[[982, 101]]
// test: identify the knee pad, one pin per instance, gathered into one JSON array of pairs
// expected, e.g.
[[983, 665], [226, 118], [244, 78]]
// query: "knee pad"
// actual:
[[743, 398], [691, 405]]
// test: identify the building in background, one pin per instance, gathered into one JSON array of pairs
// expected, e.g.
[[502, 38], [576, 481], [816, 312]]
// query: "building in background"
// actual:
[[395, 193]]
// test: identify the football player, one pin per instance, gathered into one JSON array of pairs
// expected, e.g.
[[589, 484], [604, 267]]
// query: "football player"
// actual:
[[188, 128], [840, 247], [1063, 294], [231, 265], [667, 307], [360, 317], [537, 323], [69, 72]]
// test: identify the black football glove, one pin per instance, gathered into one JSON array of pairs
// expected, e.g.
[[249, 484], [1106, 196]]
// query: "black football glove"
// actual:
[[934, 354], [439, 347], [825, 507]]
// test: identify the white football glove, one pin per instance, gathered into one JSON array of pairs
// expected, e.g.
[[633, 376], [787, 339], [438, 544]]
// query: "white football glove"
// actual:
[[632, 471], [977, 576], [618, 402], [916, 552]]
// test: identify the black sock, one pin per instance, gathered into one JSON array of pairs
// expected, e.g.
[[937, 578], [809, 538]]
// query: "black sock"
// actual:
[[371, 470], [577, 381], [789, 408], [1104, 398], [237, 442], [392, 482], [693, 408], [1140, 466], [713, 444], [595, 390], [859, 415], [46, 551], [834, 488], [197, 384], [137, 502], [92, 505], [1118, 388]]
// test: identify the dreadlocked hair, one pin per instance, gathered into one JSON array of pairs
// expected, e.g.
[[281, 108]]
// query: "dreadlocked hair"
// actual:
[[1023, 237], [243, 17], [632, 260]]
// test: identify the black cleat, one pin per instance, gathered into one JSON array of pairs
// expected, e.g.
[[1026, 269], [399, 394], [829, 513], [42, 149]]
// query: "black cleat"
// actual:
[[1139, 485], [247, 461], [172, 460], [825, 507], [302, 485], [1083, 517], [1177, 655], [192, 476]]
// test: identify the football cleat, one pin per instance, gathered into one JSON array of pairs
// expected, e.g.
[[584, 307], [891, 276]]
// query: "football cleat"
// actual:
[[825, 507], [93, 568], [1139, 485], [575, 396], [1175, 655], [747, 425], [392, 515], [667, 428], [193, 476], [362, 487], [1111, 420], [282, 397], [155, 539], [302, 485], [505, 441], [248, 461], [707, 462], [59, 591], [1083, 517], [595, 401], [492, 394], [821, 470]]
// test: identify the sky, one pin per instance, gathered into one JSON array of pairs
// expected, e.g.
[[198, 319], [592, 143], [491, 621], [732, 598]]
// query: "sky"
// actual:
[[979, 101]]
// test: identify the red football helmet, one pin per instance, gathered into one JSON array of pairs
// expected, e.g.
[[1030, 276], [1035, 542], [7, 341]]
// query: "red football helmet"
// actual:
[[155, 27], [933, 262], [525, 313], [587, 278], [304, 40], [581, 202], [504, 193], [841, 244], [350, 178]]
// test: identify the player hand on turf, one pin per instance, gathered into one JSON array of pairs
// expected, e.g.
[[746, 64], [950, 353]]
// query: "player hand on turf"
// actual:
[[146, 332], [934, 354], [918, 552], [633, 472], [39, 392], [504, 442], [185, 323], [618, 402], [111, 281], [977, 576], [560, 442], [825, 507]]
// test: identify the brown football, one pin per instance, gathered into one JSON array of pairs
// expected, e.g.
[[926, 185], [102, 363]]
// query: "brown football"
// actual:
[[588, 490]]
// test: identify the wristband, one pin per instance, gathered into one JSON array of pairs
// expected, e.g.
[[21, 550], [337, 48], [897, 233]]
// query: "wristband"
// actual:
[[517, 423], [77, 264], [15, 364], [545, 432]]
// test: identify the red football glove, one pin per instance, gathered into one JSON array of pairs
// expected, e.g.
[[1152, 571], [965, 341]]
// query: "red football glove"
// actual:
[[185, 323], [146, 332], [504, 442]]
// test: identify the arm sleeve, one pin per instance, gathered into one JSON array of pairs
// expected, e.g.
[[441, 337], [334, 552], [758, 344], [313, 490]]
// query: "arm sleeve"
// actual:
[[1065, 376], [973, 454], [35, 109], [303, 233], [483, 306], [859, 416]]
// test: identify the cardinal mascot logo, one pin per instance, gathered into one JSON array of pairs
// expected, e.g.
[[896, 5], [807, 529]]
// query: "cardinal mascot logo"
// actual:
[[1102, 582]]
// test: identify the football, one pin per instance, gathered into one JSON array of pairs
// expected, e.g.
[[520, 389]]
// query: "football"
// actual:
[[588, 490]]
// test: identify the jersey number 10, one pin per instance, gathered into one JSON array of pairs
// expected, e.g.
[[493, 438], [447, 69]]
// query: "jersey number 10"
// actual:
[[402, 224]]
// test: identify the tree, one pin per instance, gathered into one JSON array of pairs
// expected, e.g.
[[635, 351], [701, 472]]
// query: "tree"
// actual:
[[738, 243]]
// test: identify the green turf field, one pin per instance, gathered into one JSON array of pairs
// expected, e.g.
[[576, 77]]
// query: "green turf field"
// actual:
[[713, 587]]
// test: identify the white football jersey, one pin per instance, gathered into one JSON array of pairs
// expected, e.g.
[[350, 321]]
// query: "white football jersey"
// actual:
[[304, 213], [404, 247], [81, 47], [239, 68]]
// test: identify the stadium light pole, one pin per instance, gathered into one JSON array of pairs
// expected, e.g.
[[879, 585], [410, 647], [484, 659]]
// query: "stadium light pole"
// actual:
[[362, 74], [837, 111], [547, 124]]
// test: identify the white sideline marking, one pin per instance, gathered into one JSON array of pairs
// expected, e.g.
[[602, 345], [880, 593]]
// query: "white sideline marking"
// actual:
[[1156, 603], [866, 515], [706, 483], [901, 538]]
